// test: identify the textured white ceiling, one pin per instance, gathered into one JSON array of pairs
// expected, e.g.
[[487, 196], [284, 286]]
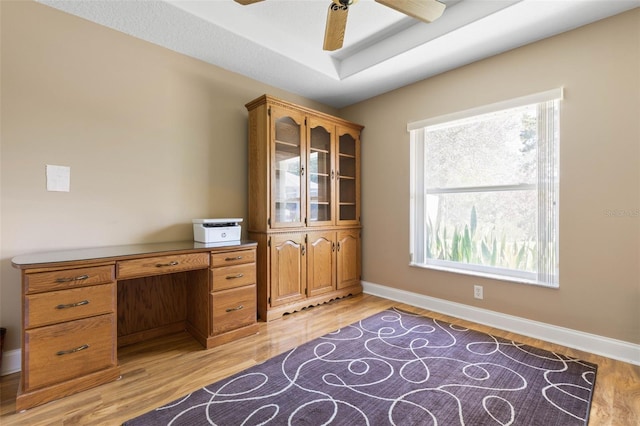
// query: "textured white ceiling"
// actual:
[[279, 42]]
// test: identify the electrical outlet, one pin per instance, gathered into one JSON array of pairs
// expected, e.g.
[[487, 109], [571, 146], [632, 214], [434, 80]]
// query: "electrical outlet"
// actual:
[[477, 291]]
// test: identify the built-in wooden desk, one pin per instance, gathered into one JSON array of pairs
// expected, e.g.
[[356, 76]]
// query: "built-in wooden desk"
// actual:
[[80, 305]]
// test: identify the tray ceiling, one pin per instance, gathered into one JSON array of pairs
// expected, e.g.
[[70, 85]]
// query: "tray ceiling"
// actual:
[[279, 42]]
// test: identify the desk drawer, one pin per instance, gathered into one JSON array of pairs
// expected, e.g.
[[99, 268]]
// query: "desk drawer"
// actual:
[[68, 278], [233, 276], [72, 349], [233, 258], [161, 265], [65, 305], [233, 308]]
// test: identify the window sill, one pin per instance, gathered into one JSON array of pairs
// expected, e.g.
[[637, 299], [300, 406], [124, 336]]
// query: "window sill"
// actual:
[[515, 280]]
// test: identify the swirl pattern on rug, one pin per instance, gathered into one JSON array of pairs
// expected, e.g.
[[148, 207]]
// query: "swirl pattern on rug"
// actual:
[[396, 368]]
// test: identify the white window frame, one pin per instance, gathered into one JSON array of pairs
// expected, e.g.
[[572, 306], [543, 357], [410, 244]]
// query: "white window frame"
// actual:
[[548, 193]]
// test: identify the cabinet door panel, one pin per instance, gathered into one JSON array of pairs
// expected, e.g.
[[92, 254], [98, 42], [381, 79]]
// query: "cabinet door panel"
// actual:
[[321, 172], [348, 186], [288, 269], [321, 262], [288, 153], [348, 258]]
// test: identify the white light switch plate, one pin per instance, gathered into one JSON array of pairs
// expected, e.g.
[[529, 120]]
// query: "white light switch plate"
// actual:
[[58, 178]]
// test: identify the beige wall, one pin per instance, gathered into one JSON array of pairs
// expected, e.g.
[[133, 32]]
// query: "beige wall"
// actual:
[[153, 138], [599, 68]]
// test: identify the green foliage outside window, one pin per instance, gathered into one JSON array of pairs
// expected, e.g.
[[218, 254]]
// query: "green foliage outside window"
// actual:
[[467, 245]]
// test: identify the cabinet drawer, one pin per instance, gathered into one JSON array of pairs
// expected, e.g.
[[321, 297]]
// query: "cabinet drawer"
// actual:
[[233, 308], [233, 258], [65, 305], [68, 278], [162, 265], [233, 276], [65, 351]]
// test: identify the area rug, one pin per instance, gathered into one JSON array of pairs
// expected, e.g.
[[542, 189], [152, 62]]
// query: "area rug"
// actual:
[[395, 368]]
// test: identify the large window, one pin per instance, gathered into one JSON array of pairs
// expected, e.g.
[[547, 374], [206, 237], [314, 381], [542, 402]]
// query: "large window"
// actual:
[[484, 190]]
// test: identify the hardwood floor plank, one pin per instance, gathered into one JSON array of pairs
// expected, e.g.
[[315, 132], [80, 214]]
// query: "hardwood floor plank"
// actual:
[[161, 370]]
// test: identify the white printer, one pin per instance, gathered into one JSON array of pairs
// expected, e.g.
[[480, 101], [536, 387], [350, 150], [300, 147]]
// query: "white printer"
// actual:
[[216, 230]]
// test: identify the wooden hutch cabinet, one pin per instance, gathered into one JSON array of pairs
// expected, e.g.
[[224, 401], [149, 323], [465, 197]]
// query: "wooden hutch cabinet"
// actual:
[[304, 205]]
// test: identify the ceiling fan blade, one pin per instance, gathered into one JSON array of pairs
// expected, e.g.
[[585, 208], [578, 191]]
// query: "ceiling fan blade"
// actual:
[[335, 27], [424, 10], [246, 2]]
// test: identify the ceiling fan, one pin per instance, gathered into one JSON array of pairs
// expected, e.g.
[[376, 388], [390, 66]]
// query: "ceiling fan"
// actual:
[[424, 10]]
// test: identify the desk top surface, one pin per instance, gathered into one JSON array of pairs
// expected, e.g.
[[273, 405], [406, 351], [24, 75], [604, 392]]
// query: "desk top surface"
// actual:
[[122, 252]]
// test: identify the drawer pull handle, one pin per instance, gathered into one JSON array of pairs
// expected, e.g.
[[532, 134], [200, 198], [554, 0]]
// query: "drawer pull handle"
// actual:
[[233, 277], [235, 309], [73, 305], [70, 351], [229, 259], [66, 280], [160, 265]]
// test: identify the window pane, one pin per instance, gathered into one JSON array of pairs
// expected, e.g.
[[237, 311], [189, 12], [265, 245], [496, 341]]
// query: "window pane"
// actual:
[[484, 190], [492, 149], [488, 228]]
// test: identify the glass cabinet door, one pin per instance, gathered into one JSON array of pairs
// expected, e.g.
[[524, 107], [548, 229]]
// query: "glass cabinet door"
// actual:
[[348, 176], [287, 179], [321, 173]]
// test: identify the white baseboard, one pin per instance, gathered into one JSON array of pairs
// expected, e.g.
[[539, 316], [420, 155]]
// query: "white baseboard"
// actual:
[[11, 362], [599, 345]]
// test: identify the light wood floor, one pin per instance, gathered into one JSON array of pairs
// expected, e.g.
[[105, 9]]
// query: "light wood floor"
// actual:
[[159, 371]]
